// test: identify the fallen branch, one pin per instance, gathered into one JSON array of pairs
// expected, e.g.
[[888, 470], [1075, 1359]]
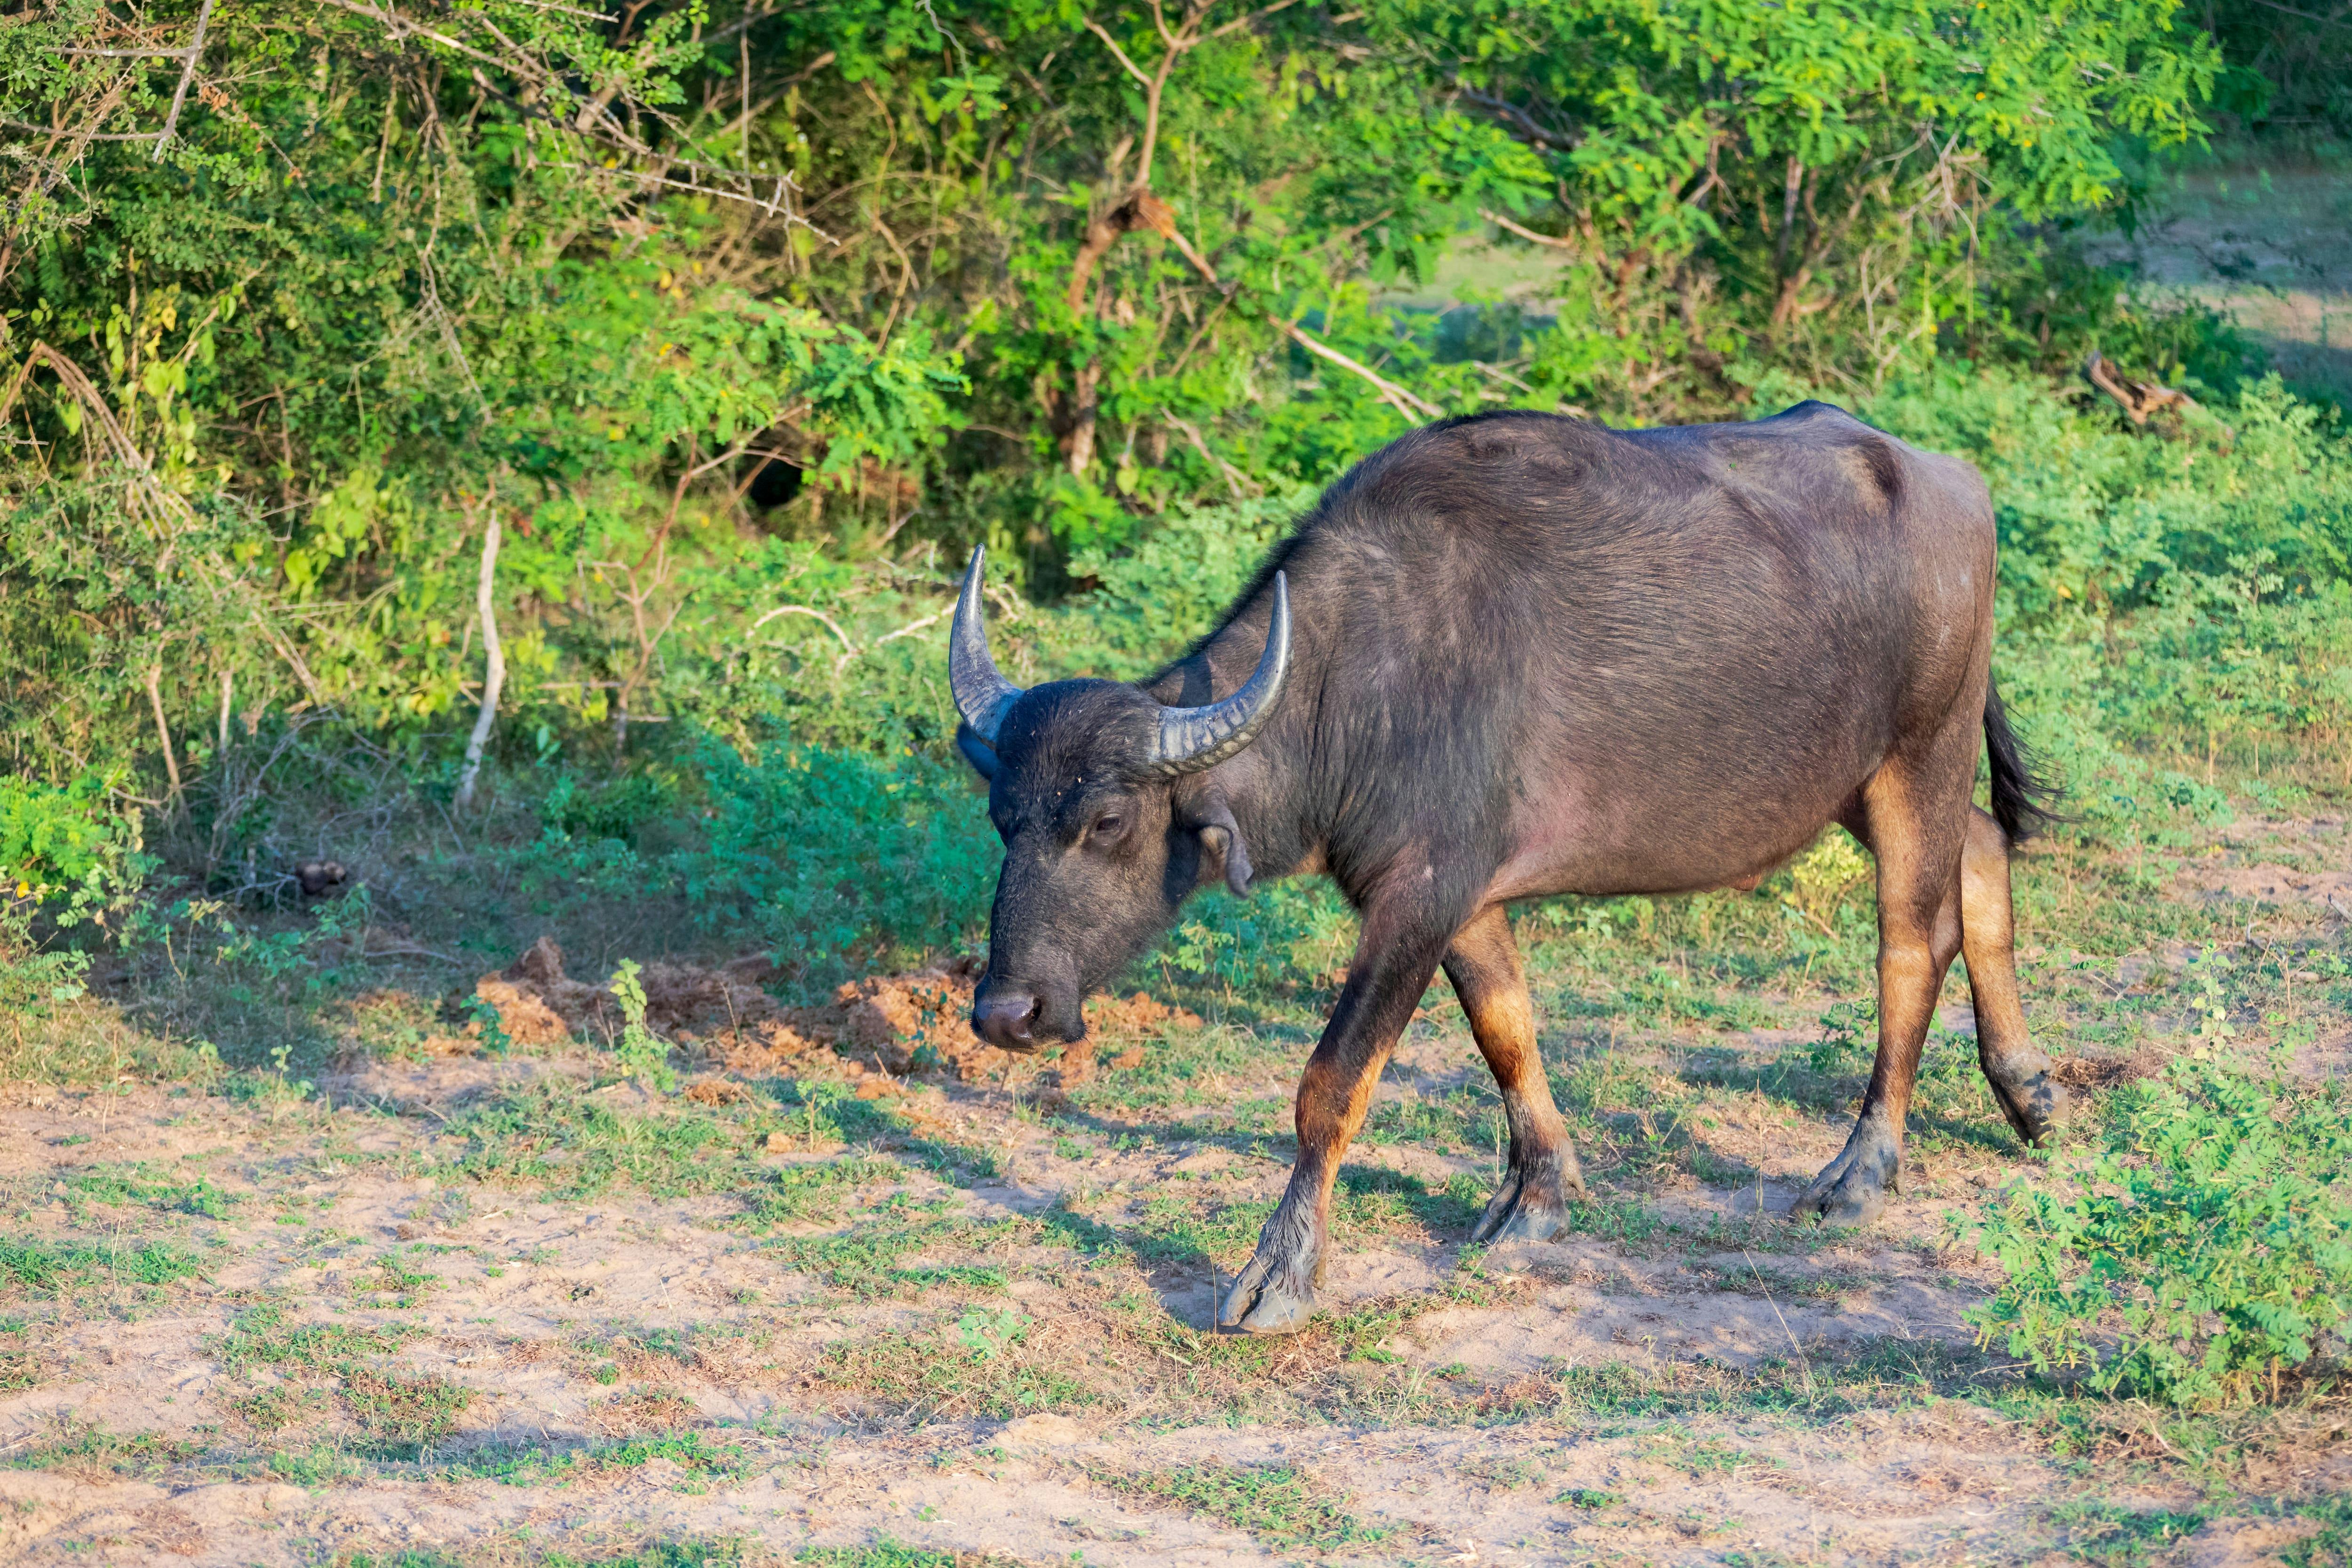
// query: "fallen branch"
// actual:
[[2138, 399]]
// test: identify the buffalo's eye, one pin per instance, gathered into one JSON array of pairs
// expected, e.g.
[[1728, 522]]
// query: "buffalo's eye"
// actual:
[[1108, 826]]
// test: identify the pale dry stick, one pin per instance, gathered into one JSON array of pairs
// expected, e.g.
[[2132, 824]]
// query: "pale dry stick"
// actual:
[[400, 26], [494, 673], [778, 204], [567, 10], [1802, 1360], [228, 689], [163, 729], [830, 624], [1524, 233], [910, 629], [191, 53]]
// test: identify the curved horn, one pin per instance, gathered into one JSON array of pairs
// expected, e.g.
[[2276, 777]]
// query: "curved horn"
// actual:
[[981, 692], [1194, 738]]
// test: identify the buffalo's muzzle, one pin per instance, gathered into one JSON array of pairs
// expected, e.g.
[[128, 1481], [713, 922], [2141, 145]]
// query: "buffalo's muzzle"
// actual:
[[1005, 1020]]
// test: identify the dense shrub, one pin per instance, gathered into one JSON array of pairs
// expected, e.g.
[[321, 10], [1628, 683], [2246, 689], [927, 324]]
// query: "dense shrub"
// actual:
[[2203, 1252], [832, 857], [68, 857]]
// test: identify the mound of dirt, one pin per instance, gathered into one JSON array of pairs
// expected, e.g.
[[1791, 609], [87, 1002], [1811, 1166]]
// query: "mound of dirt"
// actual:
[[538, 1004], [896, 1023]]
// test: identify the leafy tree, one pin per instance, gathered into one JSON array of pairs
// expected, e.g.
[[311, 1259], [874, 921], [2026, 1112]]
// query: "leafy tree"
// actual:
[[705, 301]]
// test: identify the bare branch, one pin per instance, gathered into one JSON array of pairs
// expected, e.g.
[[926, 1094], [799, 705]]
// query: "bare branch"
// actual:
[[1524, 233], [910, 628], [1503, 108], [1240, 484], [1132, 69], [1395, 396], [1238, 22], [1157, 216], [2336, 21], [180, 94], [849, 649]]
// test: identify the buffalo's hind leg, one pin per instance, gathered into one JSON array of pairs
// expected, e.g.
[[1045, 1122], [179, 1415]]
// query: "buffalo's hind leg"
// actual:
[[1913, 826], [2019, 1073], [1532, 1202]]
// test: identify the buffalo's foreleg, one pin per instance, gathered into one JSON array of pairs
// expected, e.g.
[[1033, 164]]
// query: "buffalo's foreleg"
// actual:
[[1532, 1202], [2019, 1073], [1918, 936], [1396, 958]]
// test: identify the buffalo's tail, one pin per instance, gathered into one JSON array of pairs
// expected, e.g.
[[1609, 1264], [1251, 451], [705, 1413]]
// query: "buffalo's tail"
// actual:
[[2021, 799]]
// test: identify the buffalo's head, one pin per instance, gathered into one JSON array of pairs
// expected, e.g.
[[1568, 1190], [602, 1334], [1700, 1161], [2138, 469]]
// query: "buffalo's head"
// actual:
[[1097, 790]]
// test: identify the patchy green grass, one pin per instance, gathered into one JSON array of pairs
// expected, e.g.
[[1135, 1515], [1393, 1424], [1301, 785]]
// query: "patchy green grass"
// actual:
[[984, 1362], [137, 1184], [885, 1554], [1280, 1506], [536, 1465], [2116, 1537], [48, 1266], [261, 1336]]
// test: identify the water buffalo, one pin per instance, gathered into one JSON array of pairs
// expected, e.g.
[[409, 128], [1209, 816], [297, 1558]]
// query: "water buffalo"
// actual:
[[1516, 655]]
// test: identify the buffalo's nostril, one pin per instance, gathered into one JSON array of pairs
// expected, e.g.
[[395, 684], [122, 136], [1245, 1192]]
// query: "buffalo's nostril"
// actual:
[[1005, 1020]]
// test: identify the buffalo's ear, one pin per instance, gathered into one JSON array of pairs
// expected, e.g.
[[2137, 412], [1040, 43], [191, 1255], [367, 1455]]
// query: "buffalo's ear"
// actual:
[[1212, 819], [976, 751]]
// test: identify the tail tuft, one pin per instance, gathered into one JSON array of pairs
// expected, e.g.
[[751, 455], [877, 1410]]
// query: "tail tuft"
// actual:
[[2020, 798]]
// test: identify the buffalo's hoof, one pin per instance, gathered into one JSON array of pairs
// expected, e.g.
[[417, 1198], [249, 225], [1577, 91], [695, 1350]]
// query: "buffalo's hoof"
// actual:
[[2034, 1101], [1852, 1188], [1532, 1202], [1268, 1298]]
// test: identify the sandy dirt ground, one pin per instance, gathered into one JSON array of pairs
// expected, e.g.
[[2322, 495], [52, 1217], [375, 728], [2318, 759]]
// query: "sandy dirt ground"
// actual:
[[2267, 249], [481, 1310]]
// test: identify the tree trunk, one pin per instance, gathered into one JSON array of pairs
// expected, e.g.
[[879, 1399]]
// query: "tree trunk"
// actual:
[[1078, 445]]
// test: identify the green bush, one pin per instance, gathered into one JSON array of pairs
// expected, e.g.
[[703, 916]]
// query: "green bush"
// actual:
[[833, 857], [2207, 1250], [72, 843], [1150, 600], [68, 853]]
